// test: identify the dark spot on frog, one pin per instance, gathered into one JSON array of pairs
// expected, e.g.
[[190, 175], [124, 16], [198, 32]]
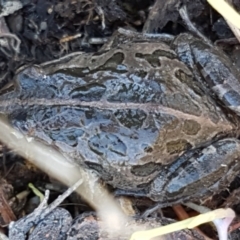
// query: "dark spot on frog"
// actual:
[[131, 118], [75, 72], [93, 115], [153, 58], [186, 106], [191, 127], [178, 146], [148, 149], [100, 170], [141, 74], [231, 98], [99, 53], [68, 136], [114, 63], [89, 92], [167, 54], [146, 169], [105, 143], [189, 81], [142, 189]]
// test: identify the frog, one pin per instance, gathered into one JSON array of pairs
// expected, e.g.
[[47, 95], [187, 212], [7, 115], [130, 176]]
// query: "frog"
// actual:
[[151, 115]]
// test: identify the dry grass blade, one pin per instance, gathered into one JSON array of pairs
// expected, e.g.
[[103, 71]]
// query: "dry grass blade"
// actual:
[[230, 15], [226, 11], [188, 223]]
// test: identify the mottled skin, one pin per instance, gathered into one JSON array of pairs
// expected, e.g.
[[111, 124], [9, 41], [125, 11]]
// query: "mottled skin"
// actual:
[[132, 109]]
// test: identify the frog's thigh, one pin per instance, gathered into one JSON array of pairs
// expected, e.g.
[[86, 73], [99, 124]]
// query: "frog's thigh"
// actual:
[[211, 168]]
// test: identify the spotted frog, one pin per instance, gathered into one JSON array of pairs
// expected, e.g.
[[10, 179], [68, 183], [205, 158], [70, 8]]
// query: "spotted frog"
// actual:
[[154, 118]]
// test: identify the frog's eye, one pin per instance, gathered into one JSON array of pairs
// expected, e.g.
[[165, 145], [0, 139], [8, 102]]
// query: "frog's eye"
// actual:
[[113, 62], [152, 59]]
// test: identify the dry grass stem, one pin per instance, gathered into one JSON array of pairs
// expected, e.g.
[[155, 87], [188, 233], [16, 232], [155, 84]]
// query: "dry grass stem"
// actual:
[[62, 169]]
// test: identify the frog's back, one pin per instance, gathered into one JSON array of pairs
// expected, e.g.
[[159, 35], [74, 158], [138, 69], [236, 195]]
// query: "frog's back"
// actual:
[[123, 112]]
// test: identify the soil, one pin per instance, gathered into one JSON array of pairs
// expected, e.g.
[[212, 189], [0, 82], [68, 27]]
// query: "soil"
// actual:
[[36, 31]]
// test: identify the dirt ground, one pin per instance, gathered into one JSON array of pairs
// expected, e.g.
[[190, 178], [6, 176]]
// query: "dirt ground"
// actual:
[[36, 31]]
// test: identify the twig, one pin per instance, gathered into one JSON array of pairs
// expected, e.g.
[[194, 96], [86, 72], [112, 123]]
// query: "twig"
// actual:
[[184, 14]]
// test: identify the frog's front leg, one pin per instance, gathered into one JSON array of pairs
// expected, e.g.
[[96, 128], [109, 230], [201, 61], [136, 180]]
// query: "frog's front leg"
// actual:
[[208, 170], [212, 68]]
